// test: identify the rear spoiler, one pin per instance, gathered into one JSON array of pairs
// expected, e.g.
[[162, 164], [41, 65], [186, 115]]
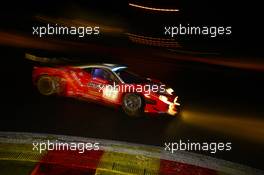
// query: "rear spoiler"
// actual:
[[43, 59]]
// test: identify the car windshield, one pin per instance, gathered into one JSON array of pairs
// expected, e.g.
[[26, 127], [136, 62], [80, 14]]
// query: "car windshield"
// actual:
[[129, 77]]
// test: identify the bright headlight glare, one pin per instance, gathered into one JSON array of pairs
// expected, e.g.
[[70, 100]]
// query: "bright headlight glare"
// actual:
[[164, 99], [169, 91]]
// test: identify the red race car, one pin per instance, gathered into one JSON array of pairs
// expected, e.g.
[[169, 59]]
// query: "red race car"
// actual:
[[109, 84]]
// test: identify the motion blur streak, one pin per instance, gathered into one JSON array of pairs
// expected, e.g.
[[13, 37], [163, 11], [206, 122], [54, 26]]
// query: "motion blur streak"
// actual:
[[233, 63], [152, 38], [154, 9], [243, 127], [18, 40], [162, 42], [24, 41], [221, 61]]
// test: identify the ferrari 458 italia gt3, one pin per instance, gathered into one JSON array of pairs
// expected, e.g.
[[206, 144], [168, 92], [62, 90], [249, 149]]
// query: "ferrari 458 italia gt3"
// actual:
[[109, 84]]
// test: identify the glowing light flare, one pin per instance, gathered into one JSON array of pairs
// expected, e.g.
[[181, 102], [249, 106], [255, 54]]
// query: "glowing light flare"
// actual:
[[164, 99], [170, 91], [152, 8], [171, 110]]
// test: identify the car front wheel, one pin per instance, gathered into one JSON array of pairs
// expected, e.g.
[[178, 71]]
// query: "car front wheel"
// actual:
[[133, 105]]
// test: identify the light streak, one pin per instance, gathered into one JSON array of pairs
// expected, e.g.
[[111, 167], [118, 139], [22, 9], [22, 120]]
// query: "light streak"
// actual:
[[252, 127], [154, 9], [151, 38], [118, 68], [163, 42]]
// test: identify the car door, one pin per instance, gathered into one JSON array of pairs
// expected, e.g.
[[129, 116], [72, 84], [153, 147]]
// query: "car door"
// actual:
[[100, 79]]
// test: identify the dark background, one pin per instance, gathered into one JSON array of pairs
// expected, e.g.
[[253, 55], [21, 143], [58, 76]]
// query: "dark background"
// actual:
[[243, 16], [212, 87]]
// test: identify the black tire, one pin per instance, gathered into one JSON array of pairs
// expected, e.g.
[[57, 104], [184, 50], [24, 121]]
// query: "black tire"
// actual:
[[48, 85], [133, 105]]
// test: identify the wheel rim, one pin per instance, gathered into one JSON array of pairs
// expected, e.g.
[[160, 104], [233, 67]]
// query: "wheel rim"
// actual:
[[132, 102], [46, 86]]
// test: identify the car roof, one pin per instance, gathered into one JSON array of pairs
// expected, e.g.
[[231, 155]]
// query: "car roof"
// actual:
[[112, 67]]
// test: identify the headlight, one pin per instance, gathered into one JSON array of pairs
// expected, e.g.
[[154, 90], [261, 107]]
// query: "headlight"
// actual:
[[169, 91], [164, 99]]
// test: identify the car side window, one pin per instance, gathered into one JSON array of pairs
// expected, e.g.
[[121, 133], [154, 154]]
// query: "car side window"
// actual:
[[99, 73], [103, 74]]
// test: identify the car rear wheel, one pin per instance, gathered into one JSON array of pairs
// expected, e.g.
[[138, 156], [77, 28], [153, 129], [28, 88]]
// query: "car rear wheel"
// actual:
[[48, 85], [133, 105]]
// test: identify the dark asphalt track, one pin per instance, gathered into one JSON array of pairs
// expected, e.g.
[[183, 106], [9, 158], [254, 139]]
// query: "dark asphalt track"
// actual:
[[212, 92]]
